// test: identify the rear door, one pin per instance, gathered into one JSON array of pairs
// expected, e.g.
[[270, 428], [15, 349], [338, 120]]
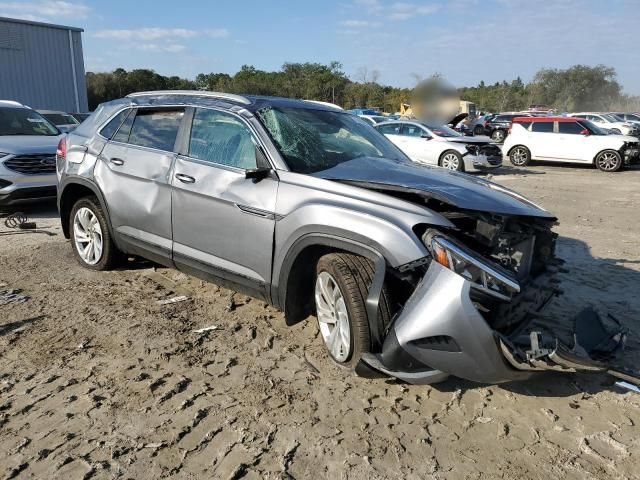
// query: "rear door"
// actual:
[[223, 223], [544, 142], [133, 172]]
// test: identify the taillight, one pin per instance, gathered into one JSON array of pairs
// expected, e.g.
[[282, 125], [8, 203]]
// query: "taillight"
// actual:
[[61, 151], [486, 124]]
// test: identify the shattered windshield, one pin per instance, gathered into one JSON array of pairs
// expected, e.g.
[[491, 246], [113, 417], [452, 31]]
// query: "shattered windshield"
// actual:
[[314, 140]]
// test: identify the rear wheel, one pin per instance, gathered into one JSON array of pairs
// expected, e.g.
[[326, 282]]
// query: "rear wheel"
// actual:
[[609, 161], [342, 286], [498, 136], [90, 237], [520, 156], [452, 160]]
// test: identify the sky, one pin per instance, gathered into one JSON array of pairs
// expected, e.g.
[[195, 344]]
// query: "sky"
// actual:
[[464, 40]]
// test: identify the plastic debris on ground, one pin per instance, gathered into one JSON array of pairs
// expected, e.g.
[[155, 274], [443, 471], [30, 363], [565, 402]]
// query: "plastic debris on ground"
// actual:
[[12, 295], [167, 301]]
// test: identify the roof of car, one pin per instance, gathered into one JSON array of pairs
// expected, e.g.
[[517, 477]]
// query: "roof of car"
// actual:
[[543, 119], [250, 102], [11, 104]]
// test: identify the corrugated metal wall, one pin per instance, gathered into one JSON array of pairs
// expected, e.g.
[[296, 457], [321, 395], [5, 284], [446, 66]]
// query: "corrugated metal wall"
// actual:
[[36, 66]]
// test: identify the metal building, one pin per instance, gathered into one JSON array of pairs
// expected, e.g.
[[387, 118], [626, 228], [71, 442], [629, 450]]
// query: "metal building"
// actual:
[[42, 66]]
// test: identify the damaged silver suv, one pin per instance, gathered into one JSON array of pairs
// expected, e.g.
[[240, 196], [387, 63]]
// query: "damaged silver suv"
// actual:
[[412, 271]]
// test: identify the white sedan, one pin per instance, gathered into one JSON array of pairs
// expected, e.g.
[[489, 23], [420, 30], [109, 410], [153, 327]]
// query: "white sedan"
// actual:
[[435, 144]]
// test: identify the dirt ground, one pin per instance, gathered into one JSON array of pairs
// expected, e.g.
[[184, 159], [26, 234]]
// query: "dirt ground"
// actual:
[[99, 381]]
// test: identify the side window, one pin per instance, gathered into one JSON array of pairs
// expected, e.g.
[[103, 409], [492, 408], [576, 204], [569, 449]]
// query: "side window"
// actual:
[[542, 127], [525, 125], [156, 128], [409, 130], [125, 129], [390, 129], [573, 128], [221, 138], [112, 127]]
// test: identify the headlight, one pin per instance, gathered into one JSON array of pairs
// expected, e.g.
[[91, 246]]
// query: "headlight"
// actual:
[[488, 278]]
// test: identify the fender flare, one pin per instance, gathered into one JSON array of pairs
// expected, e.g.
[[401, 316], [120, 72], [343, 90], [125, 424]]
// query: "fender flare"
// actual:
[[76, 180], [327, 240]]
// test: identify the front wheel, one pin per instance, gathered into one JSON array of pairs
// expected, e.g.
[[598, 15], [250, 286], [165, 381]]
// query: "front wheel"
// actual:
[[452, 160], [342, 286], [609, 161], [478, 130], [90, 236], [520, 156]]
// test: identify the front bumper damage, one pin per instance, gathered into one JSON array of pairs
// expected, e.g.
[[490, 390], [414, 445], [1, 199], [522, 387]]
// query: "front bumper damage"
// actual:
[[440, 332]]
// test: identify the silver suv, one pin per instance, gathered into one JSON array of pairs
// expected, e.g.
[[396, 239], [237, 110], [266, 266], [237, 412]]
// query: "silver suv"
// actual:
[[412, 271], [27, 155]]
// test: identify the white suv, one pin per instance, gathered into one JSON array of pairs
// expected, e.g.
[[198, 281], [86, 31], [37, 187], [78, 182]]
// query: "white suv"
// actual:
[[568, 139], [609, 122]]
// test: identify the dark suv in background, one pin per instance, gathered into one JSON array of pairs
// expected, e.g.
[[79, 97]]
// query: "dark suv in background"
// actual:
[[497, 127]]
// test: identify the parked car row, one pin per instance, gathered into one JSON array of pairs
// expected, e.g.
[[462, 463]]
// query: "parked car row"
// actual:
[[412, 271]]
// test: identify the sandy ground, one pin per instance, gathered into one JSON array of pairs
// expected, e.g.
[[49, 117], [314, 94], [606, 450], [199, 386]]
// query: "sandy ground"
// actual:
[[99, 381]]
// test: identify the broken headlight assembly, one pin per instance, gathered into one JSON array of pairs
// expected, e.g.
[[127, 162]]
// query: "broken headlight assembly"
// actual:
[[484, 276]]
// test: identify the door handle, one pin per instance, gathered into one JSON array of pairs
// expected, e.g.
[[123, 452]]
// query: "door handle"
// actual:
[[185, 178], [116, 161]]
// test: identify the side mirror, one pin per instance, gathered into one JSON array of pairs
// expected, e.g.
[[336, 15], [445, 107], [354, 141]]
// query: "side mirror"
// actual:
[[257, 174], [425, 136], [584, 132], [263, 167]]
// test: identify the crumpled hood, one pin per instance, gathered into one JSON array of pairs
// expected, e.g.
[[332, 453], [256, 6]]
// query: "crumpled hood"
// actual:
[[458, 189], [28, 144]]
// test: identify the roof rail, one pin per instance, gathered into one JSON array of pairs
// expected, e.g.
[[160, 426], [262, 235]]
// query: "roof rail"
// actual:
[[198, 93]]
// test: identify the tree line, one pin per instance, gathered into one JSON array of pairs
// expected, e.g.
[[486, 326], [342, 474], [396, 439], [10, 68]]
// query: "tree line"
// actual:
[[579, 87]]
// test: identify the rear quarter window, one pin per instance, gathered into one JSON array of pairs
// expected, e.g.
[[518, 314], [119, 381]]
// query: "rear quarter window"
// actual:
[[109, 130], [525, 125]]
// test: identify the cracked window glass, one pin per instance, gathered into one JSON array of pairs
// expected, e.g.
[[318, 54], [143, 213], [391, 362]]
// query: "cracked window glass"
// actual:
[[313, 140], [221, 138]]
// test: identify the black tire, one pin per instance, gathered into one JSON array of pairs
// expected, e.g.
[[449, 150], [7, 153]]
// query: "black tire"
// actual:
[[110, 254], [609, 161], [498, 135], [616, 131], [354, 275], [520, 156], [459, 166], [478, 130]]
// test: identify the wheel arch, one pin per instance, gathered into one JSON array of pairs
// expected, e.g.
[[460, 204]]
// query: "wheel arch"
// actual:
[[294, 294], [69, 192]]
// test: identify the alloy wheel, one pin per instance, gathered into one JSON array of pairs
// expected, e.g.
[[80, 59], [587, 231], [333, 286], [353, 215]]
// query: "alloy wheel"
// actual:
[[87, 235], [608, 161], [519, 156], [451, 161], [333, 317]]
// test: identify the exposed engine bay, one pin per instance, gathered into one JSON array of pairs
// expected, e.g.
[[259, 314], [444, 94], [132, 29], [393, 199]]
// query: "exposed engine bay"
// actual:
[[523, 278]]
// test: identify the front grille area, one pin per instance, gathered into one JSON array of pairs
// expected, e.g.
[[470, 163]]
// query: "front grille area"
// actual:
[[32, 164]]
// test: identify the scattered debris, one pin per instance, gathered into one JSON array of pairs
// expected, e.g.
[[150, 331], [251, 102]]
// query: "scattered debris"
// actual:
[[628, 386], [231, 305], [12, 295], [167, 301], [206, 329]]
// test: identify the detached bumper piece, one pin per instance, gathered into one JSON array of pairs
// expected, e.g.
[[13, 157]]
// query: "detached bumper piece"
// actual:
[[593, 350]]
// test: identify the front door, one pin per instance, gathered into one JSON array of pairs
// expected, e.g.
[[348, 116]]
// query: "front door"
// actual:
[[223, 223], [133, 172]]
